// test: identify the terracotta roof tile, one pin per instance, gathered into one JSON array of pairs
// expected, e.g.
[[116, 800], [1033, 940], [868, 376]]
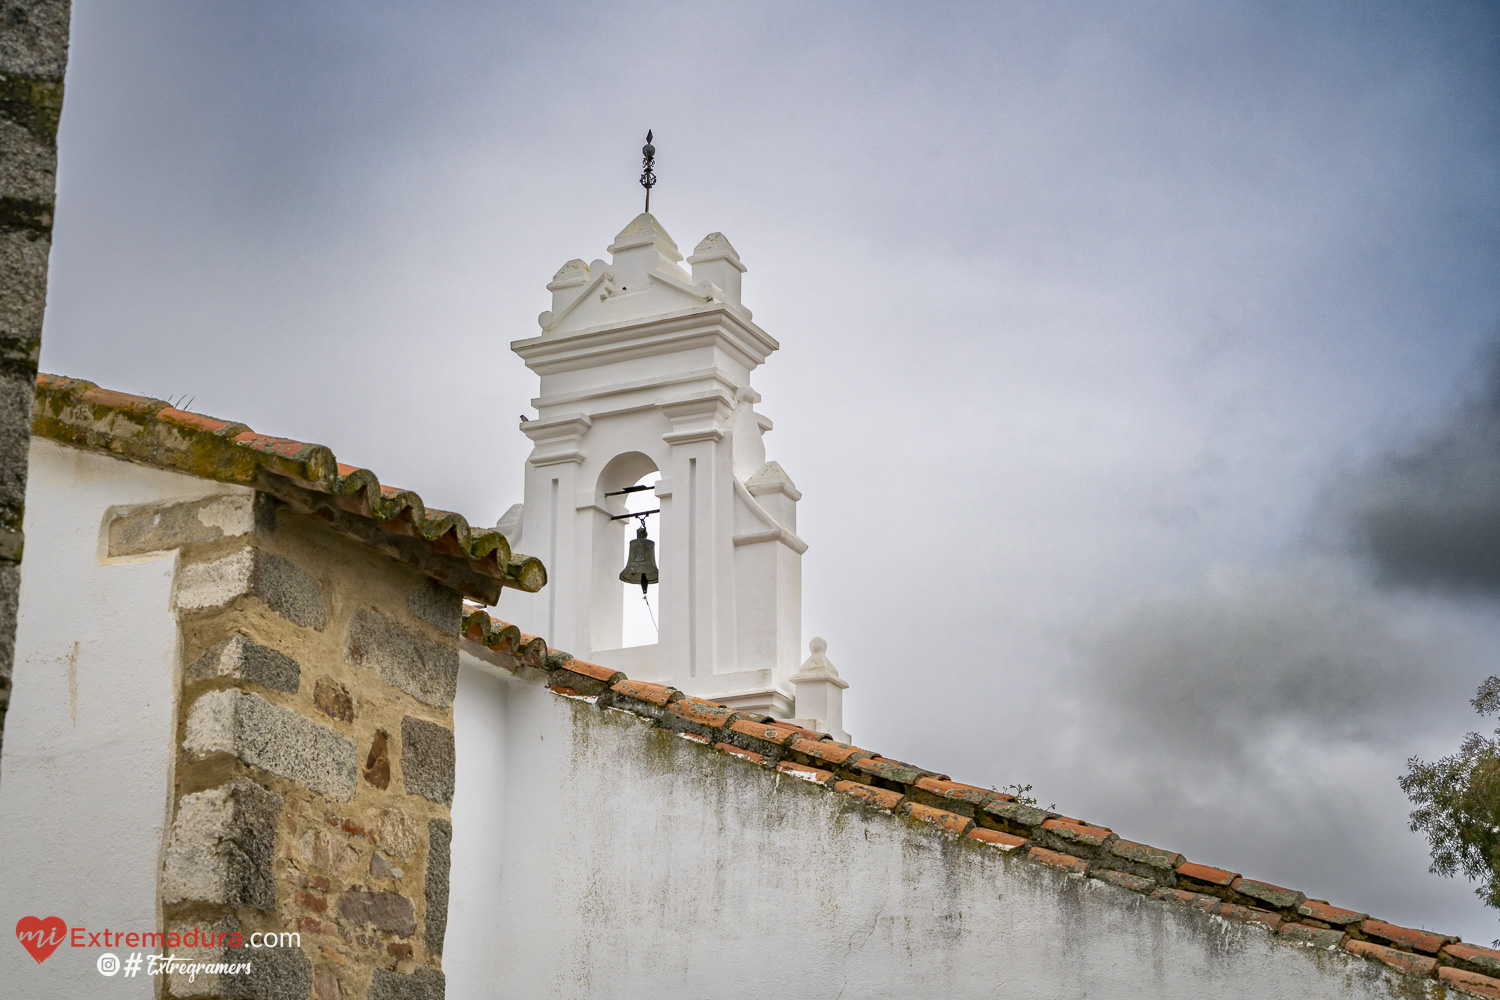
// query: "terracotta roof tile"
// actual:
[[901, 763], [297, 451], [1408, 937], [972, 794], [703, 713], [897, 786], [1004, 841], [829, 751], [1404, 961], [1203, 873], [814, 774], [1486, 960], [1318, 909], [608, 675], [1053, 859], [890, 770], [1183, 896], [807, 734], [1078, 832], [1282, 899], [477, 562], [199, 422], [502, 637], [1125, 880], [1016, 813], [108, 399], [1469, 982], [940, 818], [882, 797], [1318, 937], [1144, 854], [655, 694], [778, 733], [588, 678]]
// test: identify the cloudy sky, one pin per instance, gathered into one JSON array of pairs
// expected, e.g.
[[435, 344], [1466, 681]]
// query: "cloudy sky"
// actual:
[[1138, 360]]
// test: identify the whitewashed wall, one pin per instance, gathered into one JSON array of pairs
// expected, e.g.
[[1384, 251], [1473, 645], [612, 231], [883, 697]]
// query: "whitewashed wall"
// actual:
[[629, 862], [471, 960], [87, 765]]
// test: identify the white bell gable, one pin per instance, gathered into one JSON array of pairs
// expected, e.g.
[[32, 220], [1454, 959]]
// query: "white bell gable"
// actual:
[[645, 364]]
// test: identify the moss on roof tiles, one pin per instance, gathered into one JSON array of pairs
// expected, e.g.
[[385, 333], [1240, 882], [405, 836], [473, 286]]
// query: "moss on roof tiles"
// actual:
[[502, 637], [154, 432]]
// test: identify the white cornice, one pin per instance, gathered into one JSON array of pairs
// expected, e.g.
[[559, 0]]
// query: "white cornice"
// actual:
[[568, 426], [556, 440], [716, 324], [715, 375]]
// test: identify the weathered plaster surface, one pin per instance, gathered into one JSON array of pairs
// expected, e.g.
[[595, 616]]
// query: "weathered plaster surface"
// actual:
[[87, 755], [634, 863], [470, 958]]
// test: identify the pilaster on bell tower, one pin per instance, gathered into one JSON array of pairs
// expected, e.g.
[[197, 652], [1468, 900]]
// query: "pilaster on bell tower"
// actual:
[[645, 367]]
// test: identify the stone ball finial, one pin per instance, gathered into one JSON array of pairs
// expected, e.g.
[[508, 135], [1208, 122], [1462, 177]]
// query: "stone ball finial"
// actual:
[[817, 666]]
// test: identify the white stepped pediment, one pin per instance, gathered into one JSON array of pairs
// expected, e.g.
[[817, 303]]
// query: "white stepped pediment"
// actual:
[[645, 277]]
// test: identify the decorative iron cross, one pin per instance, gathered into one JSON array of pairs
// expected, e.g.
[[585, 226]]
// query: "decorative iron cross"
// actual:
[[648, 159]]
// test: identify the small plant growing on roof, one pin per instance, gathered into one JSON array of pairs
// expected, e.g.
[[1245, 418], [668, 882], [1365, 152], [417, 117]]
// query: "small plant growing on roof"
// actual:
[[1457, 801], [1022, 794]]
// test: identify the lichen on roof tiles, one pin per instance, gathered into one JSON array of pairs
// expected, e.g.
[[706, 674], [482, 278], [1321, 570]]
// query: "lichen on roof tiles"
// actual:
[[995, 820], [153, 432]]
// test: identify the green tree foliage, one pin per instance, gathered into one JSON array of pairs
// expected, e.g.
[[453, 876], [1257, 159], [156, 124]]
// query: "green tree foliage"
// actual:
[[1457, 803]]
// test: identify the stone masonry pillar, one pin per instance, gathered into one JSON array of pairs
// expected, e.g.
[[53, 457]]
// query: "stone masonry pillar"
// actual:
[[314, 767], [33, 56]]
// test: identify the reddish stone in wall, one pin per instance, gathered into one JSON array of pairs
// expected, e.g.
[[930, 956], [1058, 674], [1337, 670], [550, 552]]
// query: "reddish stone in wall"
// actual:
[[333, 701], [386, 911]]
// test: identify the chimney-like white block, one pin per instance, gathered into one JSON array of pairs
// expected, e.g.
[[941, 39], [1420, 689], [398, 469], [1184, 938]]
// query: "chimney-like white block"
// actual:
[[820, 693], [776, 493], [566, 285], [715, 262]]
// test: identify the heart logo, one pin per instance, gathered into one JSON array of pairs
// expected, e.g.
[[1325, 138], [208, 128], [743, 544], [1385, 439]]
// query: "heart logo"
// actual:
[[41, 937]]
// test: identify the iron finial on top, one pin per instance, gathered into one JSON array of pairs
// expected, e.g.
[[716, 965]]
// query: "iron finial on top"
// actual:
[[648, 159]]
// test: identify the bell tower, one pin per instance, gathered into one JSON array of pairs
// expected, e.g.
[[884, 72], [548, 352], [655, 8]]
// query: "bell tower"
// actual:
[[645, 368]]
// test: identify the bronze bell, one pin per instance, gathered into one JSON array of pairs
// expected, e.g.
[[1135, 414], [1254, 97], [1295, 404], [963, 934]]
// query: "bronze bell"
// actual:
[[641, 566]]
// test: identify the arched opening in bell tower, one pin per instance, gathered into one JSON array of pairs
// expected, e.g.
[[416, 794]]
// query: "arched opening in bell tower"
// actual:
[[622, 619], [639, 616]]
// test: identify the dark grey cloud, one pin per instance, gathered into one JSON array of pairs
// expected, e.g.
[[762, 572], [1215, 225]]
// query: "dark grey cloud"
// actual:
[[1344, 643], [1428, 514], [1295, 687], [1208, 672]]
